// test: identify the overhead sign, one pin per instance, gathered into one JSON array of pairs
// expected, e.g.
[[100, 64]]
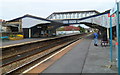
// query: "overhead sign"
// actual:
[[113, 10]]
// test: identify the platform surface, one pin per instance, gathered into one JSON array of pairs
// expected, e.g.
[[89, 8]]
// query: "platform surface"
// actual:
[[12, 43], [5, 43], [84, 58]]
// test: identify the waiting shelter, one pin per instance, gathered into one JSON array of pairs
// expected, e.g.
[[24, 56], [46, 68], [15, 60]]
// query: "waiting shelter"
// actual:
[[32, 26]]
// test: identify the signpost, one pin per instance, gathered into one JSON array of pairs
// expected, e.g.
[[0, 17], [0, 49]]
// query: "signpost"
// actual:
[[116, 10], [111, 39], [118, 35], [112, 12]]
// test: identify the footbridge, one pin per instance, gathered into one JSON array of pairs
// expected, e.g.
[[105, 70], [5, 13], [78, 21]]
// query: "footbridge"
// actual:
[[91, 18]]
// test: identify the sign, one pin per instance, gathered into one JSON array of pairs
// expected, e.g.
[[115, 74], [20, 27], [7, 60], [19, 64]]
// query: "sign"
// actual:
[[113, 10], [116, 43], [113, 15]]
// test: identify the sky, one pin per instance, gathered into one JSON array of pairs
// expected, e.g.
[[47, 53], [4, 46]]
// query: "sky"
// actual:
[[11, 9]]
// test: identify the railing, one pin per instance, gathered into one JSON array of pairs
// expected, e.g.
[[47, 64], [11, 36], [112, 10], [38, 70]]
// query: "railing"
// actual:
[[101, 19]]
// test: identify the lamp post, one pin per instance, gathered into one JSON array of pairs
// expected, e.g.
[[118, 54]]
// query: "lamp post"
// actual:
[[116, 10], [110, 39], [118, 36]]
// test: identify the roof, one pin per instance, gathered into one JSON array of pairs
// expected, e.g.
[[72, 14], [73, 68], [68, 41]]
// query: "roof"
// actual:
[[108, 11], [31, 16], [76, 12]]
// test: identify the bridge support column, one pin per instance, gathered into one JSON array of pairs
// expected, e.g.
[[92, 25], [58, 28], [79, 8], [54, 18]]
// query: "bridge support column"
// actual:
[[29, 33], [108, 33], [118, 35], [111, 44]]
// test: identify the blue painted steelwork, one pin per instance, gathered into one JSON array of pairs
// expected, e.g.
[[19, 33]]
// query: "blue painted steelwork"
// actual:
[[118, 33], [95, 19], [76, 17], [73, 13], [118, 37], [111, 48]]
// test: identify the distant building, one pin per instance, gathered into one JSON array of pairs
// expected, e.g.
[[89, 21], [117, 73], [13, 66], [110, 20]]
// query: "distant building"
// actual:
[[2, 27], [71, 28]]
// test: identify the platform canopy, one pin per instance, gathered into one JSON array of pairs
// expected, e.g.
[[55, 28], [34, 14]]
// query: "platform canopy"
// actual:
[[29, 21]]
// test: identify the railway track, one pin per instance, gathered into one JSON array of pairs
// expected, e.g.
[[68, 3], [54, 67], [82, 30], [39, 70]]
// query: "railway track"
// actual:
[[23, 60]]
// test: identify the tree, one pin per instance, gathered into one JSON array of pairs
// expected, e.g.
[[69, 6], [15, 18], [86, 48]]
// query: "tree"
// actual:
[[61, 29], [82, 30]]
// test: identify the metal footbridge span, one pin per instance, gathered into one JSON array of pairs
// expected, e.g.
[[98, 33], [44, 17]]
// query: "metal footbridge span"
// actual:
[[91, 18]]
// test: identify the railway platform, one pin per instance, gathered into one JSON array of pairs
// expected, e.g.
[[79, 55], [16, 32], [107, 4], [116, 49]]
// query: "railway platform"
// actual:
[[18, 57], [82, 58], [9, 43], [75, 54]]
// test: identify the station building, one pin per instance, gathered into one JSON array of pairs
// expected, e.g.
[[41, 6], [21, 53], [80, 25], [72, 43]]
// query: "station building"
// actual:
[[32, 26]]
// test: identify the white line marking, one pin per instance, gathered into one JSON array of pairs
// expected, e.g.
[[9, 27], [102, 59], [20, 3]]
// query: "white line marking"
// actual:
[[47, 58]]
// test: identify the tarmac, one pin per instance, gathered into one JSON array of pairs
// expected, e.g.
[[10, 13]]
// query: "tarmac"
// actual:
[[85, 58]]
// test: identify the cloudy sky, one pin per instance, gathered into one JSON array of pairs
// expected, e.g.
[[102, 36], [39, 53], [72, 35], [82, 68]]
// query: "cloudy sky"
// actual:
[[43, 8]]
